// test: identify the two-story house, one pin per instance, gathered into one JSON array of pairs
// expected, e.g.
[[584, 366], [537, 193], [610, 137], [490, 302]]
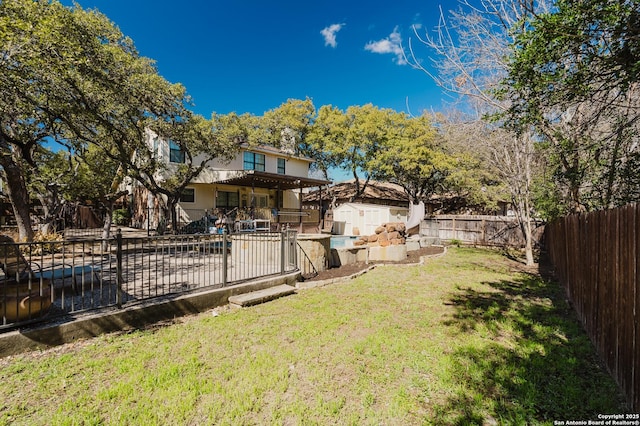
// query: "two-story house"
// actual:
[[261, 183]]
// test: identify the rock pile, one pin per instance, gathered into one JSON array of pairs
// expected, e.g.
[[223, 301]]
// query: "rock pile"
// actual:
[[389, 234]]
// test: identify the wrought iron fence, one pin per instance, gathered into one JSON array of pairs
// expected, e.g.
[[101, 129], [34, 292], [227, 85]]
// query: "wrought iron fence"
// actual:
[[65, 277], [307, 268]]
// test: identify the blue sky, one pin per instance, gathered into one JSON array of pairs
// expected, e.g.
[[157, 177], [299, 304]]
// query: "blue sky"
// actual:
[[251, 56]]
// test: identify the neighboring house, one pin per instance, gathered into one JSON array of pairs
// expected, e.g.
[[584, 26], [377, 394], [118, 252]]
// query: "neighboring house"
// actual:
[[392, 206], [390, 194], [261, 182], [384, 193]]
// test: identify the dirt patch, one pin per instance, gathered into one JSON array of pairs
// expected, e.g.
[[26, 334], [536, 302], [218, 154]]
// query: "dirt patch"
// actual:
[[352, 268]]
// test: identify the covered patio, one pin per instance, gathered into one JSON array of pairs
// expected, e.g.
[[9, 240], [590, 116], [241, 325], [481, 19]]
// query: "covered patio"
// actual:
[[276, 217]]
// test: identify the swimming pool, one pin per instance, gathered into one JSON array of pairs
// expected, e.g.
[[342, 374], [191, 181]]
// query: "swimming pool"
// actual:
[[342, 241]]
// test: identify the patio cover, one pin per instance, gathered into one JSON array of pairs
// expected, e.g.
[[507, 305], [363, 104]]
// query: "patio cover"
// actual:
[[254, 178]]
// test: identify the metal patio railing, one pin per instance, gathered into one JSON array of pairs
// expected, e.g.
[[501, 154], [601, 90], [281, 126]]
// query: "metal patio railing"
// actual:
[[67, 277]]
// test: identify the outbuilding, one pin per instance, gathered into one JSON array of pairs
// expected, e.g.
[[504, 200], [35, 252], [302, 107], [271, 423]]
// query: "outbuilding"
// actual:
[[363, 219]]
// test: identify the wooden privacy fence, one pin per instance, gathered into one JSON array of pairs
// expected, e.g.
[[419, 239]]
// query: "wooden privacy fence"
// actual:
[[595, 256], [477, 230]]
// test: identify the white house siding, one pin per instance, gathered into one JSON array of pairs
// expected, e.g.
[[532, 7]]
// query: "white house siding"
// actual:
[[291, 199], [205, 199], [205, 196], [217, 170], [236, 164], [367, 217], [294, 166]]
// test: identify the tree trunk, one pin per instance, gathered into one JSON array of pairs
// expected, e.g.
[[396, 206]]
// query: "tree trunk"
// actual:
[[107, 219], [19, 196], [524, 216], [356, 193], [359, 188], [515, 157], [107, 204], [51, 206], [613, 168], [528, 238], [171, 207], [106, 228]]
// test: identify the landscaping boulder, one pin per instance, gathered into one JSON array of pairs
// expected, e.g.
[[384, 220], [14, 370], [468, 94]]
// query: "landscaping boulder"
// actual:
[[393, 233]]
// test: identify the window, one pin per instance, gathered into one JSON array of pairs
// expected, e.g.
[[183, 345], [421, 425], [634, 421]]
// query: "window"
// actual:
[[176, 154], [281, 164], [227, 200], [188, 195], [253, 161], [261, 200]]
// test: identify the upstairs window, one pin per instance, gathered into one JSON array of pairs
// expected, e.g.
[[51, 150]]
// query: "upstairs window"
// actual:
[[253, 161], [281, 163], [176, 154]]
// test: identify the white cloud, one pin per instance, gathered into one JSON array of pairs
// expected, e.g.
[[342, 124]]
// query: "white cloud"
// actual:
[[329, 34], [391, 44]]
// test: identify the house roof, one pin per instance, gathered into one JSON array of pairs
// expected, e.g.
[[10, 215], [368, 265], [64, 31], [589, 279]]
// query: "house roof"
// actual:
[[254, 178], [359, 206], [380, 191]]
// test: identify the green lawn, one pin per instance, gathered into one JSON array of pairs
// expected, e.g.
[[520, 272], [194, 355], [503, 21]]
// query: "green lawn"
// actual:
[[464, 339]]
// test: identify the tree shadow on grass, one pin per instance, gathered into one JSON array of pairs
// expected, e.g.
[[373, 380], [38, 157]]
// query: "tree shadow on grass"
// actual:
[[533, 363]]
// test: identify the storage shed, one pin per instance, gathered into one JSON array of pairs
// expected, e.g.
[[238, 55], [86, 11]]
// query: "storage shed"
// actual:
[[363, 219]]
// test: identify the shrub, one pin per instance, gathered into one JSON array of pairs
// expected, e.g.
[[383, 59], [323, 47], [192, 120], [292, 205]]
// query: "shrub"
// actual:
[[456, 243], [51, 243], [121, 217]]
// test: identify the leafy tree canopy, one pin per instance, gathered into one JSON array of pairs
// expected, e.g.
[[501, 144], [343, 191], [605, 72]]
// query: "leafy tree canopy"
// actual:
[[574, 80], [71, 76], [577, 50]]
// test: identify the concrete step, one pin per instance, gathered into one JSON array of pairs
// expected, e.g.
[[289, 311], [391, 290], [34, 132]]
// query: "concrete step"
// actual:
[[261, 296]]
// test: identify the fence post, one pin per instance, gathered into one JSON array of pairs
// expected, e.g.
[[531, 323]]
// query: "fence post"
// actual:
[[282, 251], [119, 279], [293, 251], [453, 229], [224, 257]]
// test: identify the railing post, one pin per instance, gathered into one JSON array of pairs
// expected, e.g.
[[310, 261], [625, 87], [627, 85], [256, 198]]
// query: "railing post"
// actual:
[[119, 279], [282, 251], [224, 258], [294, 244]]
